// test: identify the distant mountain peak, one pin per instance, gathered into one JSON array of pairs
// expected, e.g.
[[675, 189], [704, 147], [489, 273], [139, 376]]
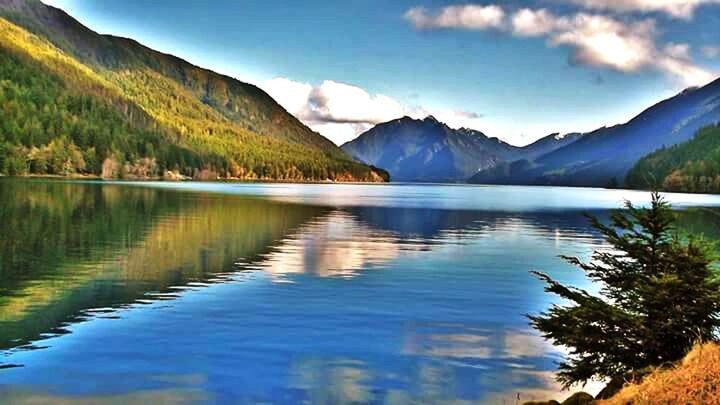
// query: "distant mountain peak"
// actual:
[[430, 150], [405, 119]]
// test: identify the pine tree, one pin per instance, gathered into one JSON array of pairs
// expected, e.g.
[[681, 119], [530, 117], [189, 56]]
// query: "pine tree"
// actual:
[[660, 294]]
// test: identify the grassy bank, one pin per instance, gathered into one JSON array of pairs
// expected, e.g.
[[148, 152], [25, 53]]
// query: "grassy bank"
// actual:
[[693, 380], [696, 380]]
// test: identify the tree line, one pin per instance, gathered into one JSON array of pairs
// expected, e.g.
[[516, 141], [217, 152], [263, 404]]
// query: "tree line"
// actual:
[[692, 166]]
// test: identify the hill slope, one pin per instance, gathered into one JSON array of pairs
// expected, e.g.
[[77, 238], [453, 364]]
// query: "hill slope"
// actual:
[[692, 166], [694, 380], [223, 126], [428, 150], [607, 154]]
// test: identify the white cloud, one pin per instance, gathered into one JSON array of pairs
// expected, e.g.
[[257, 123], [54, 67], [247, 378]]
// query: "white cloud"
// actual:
[[470, 16], [344, 103], [691, 75], [339, 111], [594, 40], [602, 41], [711, 51], [684, 9], [292, 95], [628, 47], [531, 23]]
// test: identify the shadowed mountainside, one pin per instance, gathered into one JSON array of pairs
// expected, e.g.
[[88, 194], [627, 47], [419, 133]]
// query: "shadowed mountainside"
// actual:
[[605, 156], [429, 150]]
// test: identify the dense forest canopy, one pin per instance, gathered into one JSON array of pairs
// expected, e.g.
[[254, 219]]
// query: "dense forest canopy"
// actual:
[[82, 103], [692, 166]]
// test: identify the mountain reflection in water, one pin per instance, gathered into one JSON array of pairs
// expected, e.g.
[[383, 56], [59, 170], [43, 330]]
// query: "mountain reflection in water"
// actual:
[[118, 293]]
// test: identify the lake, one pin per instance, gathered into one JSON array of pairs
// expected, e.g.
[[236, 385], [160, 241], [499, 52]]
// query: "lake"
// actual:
[[280, 293]]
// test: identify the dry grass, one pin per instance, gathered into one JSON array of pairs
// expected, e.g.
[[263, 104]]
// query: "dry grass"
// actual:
[[696, 380]]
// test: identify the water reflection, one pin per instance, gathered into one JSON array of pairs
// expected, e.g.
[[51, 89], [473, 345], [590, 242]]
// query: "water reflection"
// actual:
[[169, 396], [458, 342], [448, 363], [177, 296], [69, 250], [347, 241], [333, 245], [334, 381]]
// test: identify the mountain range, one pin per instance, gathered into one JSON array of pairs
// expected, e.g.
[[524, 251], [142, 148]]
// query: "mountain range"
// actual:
[[77, 102], [605, 156], [428, 150]]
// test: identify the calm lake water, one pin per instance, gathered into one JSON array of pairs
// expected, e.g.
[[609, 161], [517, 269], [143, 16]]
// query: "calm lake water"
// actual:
[[229, 293]]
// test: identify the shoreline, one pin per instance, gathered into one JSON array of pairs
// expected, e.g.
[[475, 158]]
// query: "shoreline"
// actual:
[[83, 177], [96, 178]]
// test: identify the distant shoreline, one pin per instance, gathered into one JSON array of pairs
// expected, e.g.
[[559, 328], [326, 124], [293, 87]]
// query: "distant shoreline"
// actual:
[[82, 177], [78, 177]]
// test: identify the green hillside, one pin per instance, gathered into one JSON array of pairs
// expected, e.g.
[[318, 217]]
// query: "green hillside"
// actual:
[[76, 102], [692, 166]]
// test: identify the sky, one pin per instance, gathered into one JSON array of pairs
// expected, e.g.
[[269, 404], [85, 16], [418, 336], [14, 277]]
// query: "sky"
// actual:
[[516, 70]]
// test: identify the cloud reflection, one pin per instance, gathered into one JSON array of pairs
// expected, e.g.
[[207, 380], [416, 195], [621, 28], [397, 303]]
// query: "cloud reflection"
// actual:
[[461, 341], [336, 381], [335, 245], [518, 358], [449, 363]]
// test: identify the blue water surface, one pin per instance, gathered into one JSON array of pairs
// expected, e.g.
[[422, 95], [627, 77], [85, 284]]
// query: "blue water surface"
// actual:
[[279, 293]]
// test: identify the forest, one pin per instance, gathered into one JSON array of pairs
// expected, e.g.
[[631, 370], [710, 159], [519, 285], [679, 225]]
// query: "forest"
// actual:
[[67, 118], [692, 166]]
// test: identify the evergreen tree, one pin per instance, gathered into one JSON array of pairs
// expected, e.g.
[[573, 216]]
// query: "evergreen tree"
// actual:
[[660, 295]]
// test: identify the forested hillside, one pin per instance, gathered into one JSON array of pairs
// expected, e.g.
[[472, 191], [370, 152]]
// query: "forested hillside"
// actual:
[[48, 129], [76, 102], [692, 166]]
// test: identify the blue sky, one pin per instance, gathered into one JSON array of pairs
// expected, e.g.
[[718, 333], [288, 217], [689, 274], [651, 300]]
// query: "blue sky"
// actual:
[[517, 70]]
